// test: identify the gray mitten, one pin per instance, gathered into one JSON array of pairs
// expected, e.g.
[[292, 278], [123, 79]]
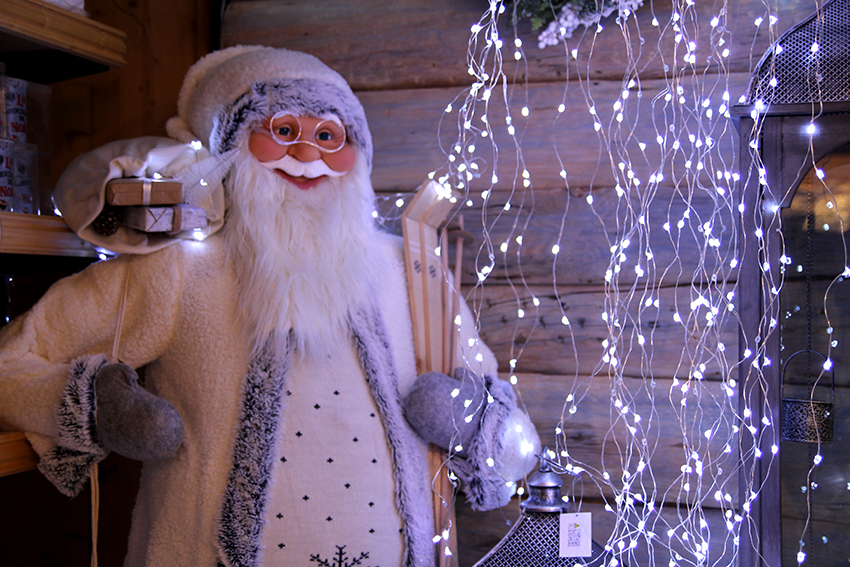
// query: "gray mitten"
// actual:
[[130, 420], [444, 419]]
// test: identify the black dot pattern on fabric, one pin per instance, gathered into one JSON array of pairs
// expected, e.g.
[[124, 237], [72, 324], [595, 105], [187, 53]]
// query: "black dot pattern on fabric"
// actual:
[[355, 455]]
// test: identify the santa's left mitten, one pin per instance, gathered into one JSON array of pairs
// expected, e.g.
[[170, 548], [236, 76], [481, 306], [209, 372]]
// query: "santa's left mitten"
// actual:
[[477, 419], [130, 420], [445, 410]]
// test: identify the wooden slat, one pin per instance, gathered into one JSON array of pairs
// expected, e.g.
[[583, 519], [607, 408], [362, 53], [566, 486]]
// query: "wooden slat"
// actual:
[[423, 43], [481, 531], [33, 234], [16, 455], [558, 217], [542, 343], [421, 221], [404, 125], [61, 29], [589, 436]]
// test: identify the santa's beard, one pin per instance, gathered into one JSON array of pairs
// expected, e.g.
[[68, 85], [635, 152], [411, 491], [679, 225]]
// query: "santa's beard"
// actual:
[[303, 259]]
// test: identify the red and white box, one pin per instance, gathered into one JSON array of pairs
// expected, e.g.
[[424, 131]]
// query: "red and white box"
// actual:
[[7, 185], [15, 97]]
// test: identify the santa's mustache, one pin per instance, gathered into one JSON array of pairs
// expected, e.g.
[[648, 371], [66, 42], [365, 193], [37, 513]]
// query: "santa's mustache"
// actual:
[[294, 168]]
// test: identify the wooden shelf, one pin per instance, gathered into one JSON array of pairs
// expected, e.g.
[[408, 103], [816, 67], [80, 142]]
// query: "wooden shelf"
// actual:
[[16, 455], [43, 43], [42, 235]]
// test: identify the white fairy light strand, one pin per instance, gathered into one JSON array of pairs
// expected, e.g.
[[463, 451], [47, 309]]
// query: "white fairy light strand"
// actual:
[[673, 227]]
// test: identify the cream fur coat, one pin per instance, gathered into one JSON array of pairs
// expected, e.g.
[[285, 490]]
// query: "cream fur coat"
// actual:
[[180, 321]]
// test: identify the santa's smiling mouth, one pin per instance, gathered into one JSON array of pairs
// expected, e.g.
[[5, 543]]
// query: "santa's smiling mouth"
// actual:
[[302, 182]]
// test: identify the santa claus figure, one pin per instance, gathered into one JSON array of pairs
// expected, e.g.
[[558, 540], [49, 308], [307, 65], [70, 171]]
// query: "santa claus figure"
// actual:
[[281, 421]]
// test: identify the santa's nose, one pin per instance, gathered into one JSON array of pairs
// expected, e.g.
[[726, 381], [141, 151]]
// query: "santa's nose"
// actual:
[[305, 152]]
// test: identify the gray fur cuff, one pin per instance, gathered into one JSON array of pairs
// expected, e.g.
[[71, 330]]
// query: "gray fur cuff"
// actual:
[[67, 466], [485, 488]]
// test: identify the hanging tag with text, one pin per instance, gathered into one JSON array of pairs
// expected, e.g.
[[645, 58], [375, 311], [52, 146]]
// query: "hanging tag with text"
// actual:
[[575, 535]]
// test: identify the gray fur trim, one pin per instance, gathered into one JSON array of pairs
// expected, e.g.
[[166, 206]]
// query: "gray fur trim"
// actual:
[[307, 97], [370, 338], [67, 465], [241, 520], [67, 469], [483, 486]]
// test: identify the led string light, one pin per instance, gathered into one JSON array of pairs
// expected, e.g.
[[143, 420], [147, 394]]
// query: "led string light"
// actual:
[[773, 277], [693, 128], [675, 249]]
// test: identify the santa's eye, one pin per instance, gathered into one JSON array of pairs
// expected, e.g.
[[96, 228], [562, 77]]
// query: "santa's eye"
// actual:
[[283, 131]]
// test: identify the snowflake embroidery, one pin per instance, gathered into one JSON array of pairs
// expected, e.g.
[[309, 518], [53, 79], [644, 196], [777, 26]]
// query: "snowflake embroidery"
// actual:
[[341, 559]]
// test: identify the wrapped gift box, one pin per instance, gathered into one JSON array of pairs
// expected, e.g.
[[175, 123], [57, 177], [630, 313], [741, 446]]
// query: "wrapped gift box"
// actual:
[[172, 219], [141, 191]]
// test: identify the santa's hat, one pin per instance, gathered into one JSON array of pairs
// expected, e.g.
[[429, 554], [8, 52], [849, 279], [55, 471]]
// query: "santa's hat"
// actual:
[[229, 91]]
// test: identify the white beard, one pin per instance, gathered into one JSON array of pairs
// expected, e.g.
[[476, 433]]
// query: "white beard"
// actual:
[[303, 259]]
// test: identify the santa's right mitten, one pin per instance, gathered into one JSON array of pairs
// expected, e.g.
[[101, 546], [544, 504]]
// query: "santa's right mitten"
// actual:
[[130, 420]]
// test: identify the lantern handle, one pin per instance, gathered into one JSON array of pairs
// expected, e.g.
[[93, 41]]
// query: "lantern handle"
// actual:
[[825, 359]]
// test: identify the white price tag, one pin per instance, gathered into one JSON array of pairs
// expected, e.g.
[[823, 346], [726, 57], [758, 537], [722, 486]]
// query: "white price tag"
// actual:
[[575, 535]]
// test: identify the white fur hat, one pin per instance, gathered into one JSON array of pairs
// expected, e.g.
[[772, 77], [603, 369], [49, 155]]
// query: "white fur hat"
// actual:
[[227, 91]]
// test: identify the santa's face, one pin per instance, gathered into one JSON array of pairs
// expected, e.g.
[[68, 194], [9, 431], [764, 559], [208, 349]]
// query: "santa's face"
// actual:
[[303, 150]]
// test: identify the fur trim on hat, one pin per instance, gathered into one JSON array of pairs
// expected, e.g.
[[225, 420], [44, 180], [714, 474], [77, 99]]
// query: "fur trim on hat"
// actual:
[[221, 78], [306, 97]]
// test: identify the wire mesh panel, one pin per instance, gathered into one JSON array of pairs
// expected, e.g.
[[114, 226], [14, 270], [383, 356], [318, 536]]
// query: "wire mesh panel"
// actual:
[[533, 542], [809, 62]]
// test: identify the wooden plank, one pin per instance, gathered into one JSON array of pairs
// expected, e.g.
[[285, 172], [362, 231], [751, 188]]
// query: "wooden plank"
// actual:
[[414, 43], [16, 455], [596, 435], [34, 234], [412, 134], [481, 531], [56, 28], [584, 234], [542, 343], [421, 221]]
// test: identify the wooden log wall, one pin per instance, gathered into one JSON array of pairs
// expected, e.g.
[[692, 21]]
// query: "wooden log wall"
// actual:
[[407, 61]]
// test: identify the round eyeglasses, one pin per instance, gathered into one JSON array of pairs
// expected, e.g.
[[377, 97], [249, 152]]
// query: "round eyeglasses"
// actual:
[[286, 130]]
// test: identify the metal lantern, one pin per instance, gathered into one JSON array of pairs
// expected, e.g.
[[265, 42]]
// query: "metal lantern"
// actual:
[[807, 420], [533, 540]]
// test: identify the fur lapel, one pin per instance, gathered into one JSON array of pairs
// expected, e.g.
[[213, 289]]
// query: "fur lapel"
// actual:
[[241, 519], [370, 338], [240, 529]]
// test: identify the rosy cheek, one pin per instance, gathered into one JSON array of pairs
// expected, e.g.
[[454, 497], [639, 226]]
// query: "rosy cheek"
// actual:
[[341, 161], [262, 147]]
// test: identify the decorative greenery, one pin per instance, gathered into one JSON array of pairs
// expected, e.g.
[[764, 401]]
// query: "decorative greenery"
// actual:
[[542, 12], [558, 19]]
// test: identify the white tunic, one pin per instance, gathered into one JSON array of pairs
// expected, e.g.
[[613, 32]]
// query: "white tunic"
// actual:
[[345, 507]]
